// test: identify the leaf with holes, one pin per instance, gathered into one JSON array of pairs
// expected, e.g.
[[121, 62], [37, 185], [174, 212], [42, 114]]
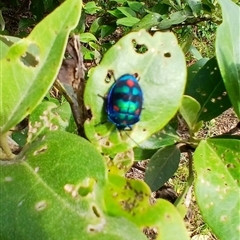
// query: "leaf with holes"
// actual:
[[217, 164], [166, 137], [208, 89], [162, 72], [162, 165], [24, 83], [194, 69], [130, 198], [54, 190], [228, 51], [48, 116]]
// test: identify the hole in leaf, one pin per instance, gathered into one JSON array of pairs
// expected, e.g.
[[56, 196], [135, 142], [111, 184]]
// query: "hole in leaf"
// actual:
[[109, 76], [139, 48], [41, 205], [41, 150], [31, 57], [230, 165], [87, 188], [167, 54], [89, 113]]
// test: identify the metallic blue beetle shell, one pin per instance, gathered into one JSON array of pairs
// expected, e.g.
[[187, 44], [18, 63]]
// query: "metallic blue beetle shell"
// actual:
[[124, 102]]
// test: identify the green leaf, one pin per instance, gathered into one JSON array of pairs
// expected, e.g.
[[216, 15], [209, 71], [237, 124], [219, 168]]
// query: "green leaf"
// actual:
[[166, 137], [162, 73], [56, 178], [194, 69], [87, 37], [162, 165], [196, 6], [24, 23], [161, 8], [96, 25], [217, 165], [119, 1], [195, 53], [127, 21], [116, 13], [186, 40], [135, 6], [106, 30], [148, 21], [208, 89], [130, 198], [143, 154], [228, 51], [128, 12], [48, 116], [91, 8], [175, 18], [37, 9], [189, 110], [24, 85]]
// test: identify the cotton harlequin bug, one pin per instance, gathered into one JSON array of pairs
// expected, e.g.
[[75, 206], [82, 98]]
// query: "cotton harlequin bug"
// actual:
[[124, 102]]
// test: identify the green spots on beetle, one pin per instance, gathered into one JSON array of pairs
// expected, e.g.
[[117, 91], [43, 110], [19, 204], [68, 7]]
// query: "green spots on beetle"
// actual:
[[127, 106], [123, 89]]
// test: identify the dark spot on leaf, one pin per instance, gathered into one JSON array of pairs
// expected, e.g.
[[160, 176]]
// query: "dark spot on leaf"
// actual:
[[209, 169], [95, 211], [167, 54], [230, 165]]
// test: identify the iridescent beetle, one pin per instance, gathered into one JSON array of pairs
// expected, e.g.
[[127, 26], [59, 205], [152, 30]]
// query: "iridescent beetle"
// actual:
[[124, 102]]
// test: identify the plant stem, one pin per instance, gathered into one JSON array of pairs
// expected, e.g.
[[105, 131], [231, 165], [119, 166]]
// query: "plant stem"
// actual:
[[190, 179], [7, 153]]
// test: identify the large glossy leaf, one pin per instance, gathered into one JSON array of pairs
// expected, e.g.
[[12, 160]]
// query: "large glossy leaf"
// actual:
[[54, 190], [162, 73], [23, 84], [228, 51], [162, 165], [217, 164], [130, 198], [208, 89]]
